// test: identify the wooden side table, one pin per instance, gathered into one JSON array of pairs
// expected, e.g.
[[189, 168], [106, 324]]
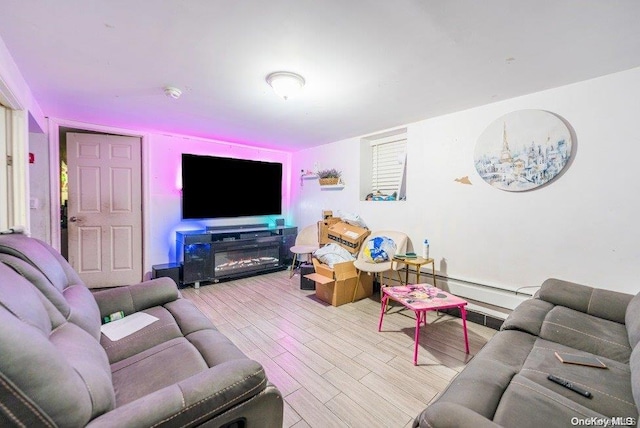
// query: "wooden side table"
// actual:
[[418, 262]]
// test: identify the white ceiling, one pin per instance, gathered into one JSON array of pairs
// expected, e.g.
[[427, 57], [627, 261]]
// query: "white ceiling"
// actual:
[[369, 64]]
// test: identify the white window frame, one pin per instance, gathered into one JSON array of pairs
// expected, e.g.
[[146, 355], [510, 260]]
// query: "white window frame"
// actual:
[[388, 157], [383, 165]]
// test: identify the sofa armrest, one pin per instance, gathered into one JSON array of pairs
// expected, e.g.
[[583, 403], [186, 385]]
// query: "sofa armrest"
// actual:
[[196, 399], [136, 297], [606, 304], [445, 414], [528, 316]]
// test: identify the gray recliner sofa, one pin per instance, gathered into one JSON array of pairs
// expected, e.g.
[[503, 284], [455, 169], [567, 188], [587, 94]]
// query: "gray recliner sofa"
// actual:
[[57, 369], [506, 383]]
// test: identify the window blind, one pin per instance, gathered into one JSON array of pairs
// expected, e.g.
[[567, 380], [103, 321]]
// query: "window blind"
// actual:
[[388, 157]]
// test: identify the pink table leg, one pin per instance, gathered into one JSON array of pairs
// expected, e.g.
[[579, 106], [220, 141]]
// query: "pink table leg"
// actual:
[[463, 313], [420, 317], [383, 304]]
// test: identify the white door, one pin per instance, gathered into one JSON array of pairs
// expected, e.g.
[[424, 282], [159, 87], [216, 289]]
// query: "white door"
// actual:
[[5, 201], [105, 208]]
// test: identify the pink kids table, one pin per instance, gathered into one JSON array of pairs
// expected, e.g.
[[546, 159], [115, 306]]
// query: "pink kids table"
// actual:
[[421, 298]]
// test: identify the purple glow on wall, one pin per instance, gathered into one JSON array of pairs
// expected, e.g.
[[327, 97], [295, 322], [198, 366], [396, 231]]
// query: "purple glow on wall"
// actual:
[[179, 177]]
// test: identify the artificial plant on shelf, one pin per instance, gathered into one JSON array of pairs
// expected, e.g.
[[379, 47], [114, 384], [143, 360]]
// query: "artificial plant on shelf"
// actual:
[[329, 176]]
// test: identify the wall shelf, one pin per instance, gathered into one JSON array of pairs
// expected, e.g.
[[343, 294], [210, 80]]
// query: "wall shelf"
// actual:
[[307, 177], [332, 187], [312, 176]]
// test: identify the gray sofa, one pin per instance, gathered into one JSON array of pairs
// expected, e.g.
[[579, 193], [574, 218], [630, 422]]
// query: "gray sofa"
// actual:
[[506, 383], [57, 369]]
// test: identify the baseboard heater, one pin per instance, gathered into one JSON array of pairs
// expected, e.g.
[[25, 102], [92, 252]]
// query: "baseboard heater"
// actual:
[[488, 305]]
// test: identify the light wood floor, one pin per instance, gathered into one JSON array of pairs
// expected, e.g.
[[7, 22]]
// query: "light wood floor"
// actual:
[[331, 364]]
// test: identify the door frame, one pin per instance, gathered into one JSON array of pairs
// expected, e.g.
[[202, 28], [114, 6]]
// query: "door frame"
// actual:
[[54, 176]]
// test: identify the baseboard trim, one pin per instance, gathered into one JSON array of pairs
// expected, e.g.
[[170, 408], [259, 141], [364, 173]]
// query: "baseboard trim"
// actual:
[[488, 306], [477, 318]]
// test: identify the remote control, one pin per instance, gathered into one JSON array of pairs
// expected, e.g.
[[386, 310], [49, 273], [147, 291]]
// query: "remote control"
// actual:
[[569, 385]]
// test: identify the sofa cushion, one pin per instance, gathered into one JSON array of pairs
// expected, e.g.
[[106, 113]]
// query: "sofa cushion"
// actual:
[[632, 321], [587, 333], [634, 363], [52, 371], [605, 304], [502, 357], [528, 316], [446, 414], [176, 319], [527, 401], [137, 297], [74, 302], [610, 387], [532, 397], [42, 256], [154, 369], [160, 331]]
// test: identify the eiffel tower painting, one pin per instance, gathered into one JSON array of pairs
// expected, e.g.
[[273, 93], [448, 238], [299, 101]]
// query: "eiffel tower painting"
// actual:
[[523, 150]]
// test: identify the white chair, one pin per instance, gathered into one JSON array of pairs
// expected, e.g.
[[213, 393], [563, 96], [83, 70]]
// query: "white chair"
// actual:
[[363, 265], [306, 243]]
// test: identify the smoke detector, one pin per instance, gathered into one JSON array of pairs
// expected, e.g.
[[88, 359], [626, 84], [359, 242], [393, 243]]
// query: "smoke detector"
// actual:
[[172, 92]]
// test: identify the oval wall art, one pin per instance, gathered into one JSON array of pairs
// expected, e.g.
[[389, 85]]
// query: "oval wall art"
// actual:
[[523, 150]]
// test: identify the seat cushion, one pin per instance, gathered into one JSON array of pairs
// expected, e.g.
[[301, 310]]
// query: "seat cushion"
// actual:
[[527, 401], [158, 332], [171, 362], [610, 387], [155, 368], [502, 357], [587, 333]]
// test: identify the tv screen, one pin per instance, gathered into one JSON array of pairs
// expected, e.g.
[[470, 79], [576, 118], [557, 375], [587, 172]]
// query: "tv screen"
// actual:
[[216, 187]]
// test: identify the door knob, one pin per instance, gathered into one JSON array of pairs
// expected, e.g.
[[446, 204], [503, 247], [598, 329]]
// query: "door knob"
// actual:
[[73, 219]]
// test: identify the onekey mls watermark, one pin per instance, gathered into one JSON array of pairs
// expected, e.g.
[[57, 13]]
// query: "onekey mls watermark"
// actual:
[[619, 421]]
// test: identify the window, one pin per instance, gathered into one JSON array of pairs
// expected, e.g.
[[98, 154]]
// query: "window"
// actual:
[[384, 167]]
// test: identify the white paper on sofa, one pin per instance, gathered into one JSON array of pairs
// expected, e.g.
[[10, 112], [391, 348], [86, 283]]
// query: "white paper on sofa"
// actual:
[[116, 330]]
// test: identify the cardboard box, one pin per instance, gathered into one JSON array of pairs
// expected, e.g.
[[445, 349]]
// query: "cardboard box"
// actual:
[[327, 214], [306, 283], [348, 236], [323, 230], [335, 286]]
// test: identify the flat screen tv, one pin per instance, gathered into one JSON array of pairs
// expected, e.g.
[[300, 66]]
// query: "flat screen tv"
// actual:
[[217, 187]]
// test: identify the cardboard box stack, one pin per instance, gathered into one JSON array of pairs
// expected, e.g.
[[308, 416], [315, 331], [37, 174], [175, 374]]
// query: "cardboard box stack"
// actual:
[[323, 229], [348, 236], [333, 229], [336, 286]]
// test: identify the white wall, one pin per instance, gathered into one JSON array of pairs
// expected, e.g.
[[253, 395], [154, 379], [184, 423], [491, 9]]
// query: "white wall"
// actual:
[[40, 226], [14, 91], [582, 227], [162, 187]]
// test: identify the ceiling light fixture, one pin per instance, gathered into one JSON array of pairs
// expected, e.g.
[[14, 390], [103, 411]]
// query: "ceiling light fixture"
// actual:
[[285, 83], [172, 92]]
